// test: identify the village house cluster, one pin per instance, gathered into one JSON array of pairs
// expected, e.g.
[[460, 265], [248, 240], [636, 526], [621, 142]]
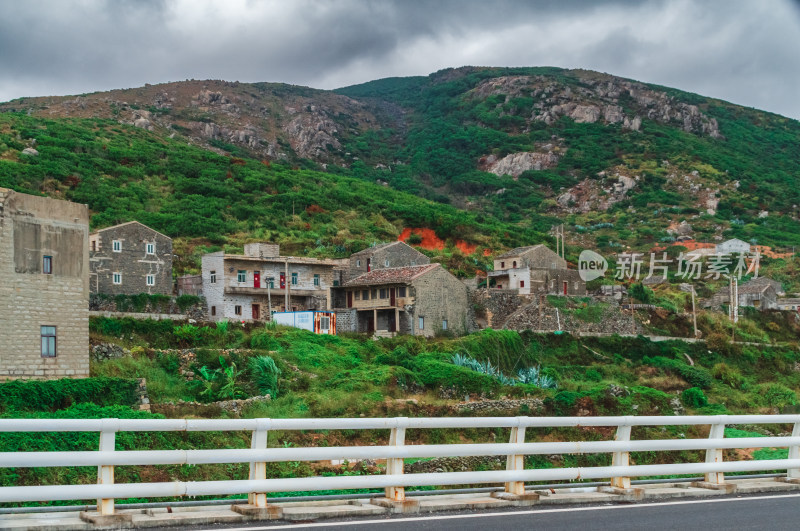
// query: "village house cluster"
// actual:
[[50, 265]]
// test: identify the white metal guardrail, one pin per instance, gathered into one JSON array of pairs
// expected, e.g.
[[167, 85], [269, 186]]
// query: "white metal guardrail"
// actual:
[[394, 481]]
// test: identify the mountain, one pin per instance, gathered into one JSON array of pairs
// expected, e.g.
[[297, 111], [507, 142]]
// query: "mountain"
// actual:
[[490, 156]]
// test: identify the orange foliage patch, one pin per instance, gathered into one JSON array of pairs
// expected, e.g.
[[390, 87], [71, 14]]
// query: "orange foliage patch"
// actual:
[[431, 241]]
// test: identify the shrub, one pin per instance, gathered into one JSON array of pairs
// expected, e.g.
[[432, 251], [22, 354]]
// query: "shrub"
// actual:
[[696, 377], [265, 375], [776, 395], [52, 395], [694, 398], [185, 302]]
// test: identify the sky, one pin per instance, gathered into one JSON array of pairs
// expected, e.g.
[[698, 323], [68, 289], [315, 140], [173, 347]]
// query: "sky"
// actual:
[[743, 51]]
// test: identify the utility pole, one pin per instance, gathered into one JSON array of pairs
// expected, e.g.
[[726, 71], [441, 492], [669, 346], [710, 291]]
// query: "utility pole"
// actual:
[[270, 281], [694, 314], [287, 281]]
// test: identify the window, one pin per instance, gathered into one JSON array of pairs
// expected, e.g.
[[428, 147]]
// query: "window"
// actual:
[[213, 277], [271, 282], [213, 310], [237, 310], [316, 280], [48, 341], [401, 291], [294, 279], [444, 324], [358, 295], [116, 246], [116, 278], [375, 294], [150, 248], [324, 322], [241, 276], [151, 280], [94, 245], [514, 264], [384, 293], [358, 263], [522, 283], [47, 265], [386, 263], [365, 294], [422, 323], [502, 265]]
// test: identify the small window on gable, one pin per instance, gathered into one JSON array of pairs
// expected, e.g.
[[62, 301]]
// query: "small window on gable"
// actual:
[[48, 341], [241, 276], [150, 248], [213, 277], [514, 264], [358, 263], [116, 278], [116, 246], [502, 265], [386, 263], [47, 265], [151, 280]]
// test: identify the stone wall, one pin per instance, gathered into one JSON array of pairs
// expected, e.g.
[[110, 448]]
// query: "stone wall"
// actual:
[[439, 297], [493, 306], [396, 254], [190, 285], [346, 321], [169, 306], [31, 228]]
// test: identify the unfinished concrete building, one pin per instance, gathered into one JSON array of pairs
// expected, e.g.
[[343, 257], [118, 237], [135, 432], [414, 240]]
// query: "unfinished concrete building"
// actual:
[[419, 300], [536, 269], [129, 259], [44, 287], [250, 286]]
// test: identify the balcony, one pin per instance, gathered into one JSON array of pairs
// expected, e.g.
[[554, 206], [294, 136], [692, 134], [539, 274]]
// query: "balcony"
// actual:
[[275, 292]]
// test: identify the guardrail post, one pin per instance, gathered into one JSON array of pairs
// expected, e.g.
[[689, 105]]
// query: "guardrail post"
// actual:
[[621, 458], [394, 465], [793, 474], [715, 480], [105, 473], [257, 501], [516, 462]]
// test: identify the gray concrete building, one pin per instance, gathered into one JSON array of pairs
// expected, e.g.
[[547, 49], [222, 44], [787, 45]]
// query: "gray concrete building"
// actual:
[[536, 269], [250, 286], [129, 259], [384, 256], [420, 300], [44, 287]]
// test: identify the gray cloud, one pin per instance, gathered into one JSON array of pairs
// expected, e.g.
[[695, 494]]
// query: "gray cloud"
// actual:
[[737, 50]]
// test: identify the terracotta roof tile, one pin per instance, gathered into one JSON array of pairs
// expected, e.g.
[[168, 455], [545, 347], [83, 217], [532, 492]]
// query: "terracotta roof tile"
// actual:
[[392, 275]]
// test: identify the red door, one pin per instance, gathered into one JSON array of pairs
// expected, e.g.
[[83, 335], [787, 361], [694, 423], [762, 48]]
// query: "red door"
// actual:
[[391, 298], [256, 279], [369, 265], [283, 280], [565, 288], [349, 299]]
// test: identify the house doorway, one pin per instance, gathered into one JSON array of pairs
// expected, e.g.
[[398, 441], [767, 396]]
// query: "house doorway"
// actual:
[[349, 299], [565, 288], [256, 279], [392, 298], [256, 312]]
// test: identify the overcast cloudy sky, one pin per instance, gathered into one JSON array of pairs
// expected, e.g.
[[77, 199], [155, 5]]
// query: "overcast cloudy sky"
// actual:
[[744, 51]]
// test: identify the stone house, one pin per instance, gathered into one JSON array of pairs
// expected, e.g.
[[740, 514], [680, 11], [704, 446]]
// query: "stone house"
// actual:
[[190, 285], [382, 256], [249, 287], [129, 259], [733, 246], [44, 287], [419, 300], [789, 304], [536, 269], [760, 293]]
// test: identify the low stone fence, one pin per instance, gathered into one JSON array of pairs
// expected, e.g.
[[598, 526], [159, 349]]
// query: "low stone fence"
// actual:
[[146, 306]]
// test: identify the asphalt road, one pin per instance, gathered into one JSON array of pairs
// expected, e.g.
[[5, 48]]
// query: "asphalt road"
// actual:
[[745, 512]]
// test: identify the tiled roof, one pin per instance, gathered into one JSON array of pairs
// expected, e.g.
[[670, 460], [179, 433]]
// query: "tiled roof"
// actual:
[[754, 288], [392, 275], [518, 251], [131, 223]]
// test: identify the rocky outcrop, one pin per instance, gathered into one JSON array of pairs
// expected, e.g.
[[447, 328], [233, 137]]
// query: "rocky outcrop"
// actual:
[[312, 134], [516, 164], [598, 98], [596, 194], [107, 351]]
